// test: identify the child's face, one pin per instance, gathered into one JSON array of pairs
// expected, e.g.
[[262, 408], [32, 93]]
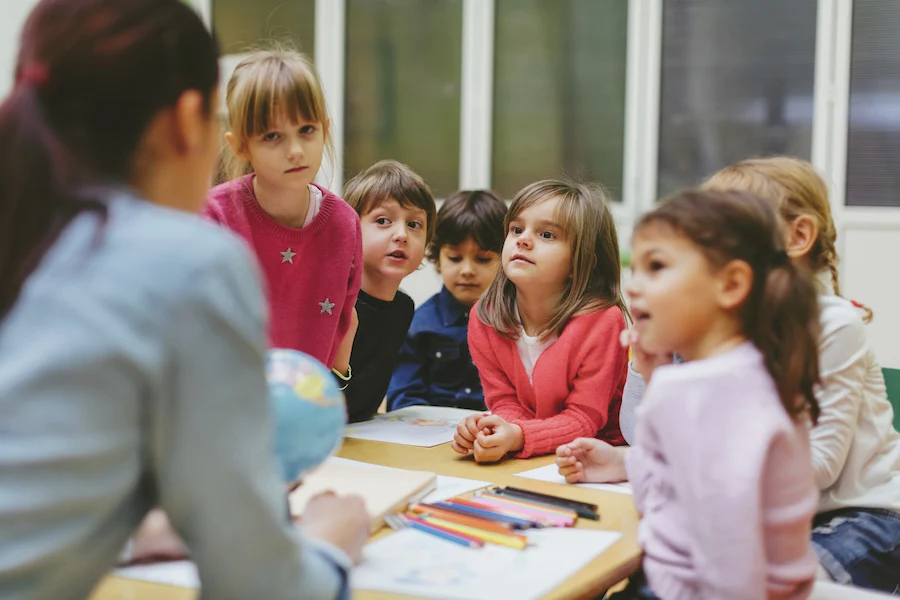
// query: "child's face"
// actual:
[[393, 238], [673, 292], [467, 270], [535, 254], [288, 156]]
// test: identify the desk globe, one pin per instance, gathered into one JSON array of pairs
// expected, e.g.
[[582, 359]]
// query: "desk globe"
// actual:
[[309, 411]]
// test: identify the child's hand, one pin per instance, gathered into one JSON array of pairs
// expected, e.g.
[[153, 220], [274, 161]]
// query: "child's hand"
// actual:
[[641, 361], [464, 438], [588, 460], [496, 438], [155, 539], [342, 521]]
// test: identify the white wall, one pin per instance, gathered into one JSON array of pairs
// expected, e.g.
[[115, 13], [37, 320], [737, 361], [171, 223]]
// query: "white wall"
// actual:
[[870, 273], [12, 17]]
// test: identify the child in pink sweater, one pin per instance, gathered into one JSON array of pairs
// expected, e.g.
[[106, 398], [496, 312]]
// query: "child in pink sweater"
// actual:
[[545, 334], [307, 241], [721, 464]]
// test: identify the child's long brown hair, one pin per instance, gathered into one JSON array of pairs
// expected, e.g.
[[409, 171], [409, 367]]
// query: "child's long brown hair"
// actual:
[[797, 190], [781, 314], [588, 225]]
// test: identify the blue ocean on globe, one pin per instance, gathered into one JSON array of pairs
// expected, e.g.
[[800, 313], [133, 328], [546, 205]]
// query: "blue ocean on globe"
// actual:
[[309, 411]]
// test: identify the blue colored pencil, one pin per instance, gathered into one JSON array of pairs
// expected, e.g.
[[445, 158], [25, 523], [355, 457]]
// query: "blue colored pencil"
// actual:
[[442, 533], [516, 522]]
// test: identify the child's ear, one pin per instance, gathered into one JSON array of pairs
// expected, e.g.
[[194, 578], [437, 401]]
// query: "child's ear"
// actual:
[[238, 148], [802, 234], [735, 283]]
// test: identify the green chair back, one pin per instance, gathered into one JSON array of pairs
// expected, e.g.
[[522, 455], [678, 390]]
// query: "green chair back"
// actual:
[[892, 382]]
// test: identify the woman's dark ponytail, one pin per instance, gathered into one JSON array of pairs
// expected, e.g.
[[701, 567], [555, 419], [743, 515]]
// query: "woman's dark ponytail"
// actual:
[[91, 76]]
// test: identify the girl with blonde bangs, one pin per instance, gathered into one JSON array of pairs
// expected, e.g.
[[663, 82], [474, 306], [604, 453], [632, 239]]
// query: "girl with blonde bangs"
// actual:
[[264, 87], [307, 240], [545, 334]]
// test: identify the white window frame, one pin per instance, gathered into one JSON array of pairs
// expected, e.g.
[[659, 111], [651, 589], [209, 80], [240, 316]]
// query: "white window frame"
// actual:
[[642, 78], [642, 89], [832, 118], [477, 94], [204, 9], [330, 55]]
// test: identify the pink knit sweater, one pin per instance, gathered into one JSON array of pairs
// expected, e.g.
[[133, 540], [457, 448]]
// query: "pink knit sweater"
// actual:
[[312, 274], [577, 387], [724, 480]]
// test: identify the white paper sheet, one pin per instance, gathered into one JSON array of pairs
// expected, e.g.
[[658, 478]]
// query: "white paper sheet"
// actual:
[[424, 426], [182, 573], [418, 564], [551, 473]]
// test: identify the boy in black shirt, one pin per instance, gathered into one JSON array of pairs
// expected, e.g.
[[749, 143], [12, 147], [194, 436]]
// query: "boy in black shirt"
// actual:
[[397, 213]]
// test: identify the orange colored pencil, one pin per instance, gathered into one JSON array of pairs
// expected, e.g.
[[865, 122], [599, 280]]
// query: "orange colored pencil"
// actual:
[[464, 520]]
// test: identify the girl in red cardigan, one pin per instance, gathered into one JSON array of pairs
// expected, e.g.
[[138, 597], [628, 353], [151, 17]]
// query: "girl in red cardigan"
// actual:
[[545, 335]]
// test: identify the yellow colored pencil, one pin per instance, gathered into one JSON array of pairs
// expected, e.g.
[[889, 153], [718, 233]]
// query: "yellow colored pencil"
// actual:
[[513, 541]]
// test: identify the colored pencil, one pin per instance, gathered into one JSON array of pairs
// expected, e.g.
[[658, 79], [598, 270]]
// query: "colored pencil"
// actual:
[[520, 510], [543, 506], [446, 515], [519, 542], [443, 532], [463, 507], [584, 509], [501, 510]]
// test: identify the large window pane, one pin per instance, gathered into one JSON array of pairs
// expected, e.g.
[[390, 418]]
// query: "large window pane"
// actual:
[[559, 91], [873, 136], [243, 24], [737, 81], [404, 66]]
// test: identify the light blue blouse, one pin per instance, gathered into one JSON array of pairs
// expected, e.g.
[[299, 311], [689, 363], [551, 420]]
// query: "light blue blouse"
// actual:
[[132, 376]]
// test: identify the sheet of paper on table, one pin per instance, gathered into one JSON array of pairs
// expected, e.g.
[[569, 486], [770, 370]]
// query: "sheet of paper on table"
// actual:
[[184, 573], [551, 473], [415, 563], [418, 564], [424, 426]]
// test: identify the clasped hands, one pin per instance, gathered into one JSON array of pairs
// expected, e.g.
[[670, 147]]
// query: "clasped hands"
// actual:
[[489, 437]]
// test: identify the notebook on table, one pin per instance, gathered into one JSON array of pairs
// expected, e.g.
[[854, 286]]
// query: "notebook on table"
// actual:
[[385, 490]]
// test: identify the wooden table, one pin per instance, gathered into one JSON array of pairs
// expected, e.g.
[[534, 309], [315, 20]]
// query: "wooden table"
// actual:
[[617, 513]]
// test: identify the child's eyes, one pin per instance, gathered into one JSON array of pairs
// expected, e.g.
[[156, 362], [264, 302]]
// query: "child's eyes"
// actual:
[[454, 259], [383, 221], [548, 235], [483, 260], [516, 230], [271, 136], [307, 129], [655, 265], [414, 225]]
